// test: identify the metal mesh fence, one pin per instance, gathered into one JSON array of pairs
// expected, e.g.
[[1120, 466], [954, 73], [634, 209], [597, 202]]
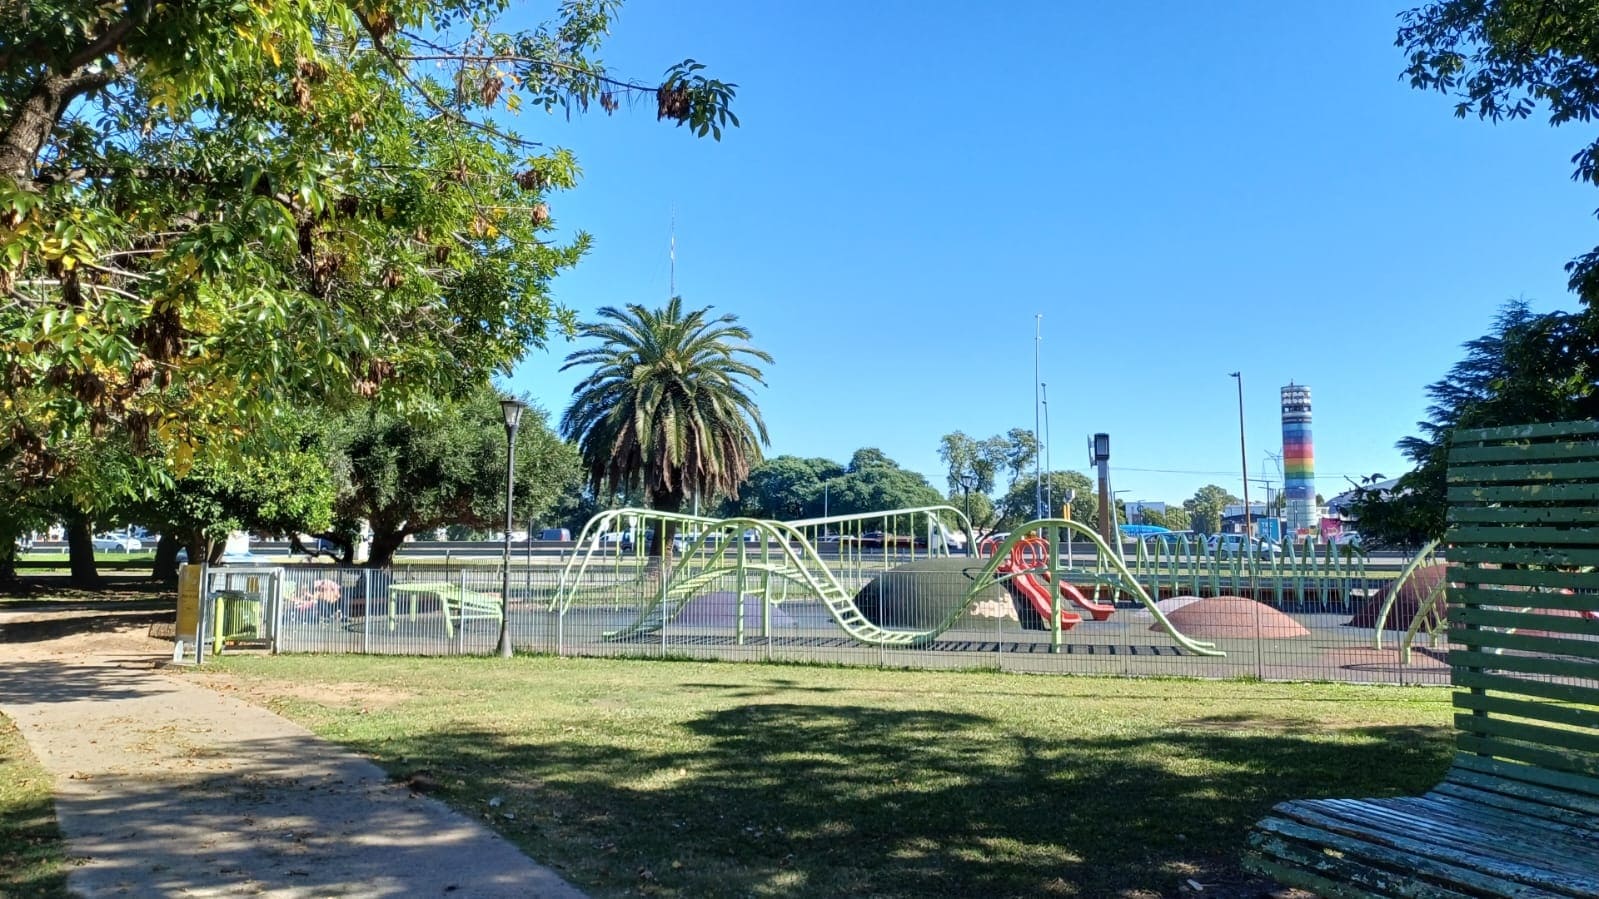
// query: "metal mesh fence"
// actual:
[[621, 609]]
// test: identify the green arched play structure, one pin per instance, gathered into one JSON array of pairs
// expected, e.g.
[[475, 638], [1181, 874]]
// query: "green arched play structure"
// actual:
[[674, 558]]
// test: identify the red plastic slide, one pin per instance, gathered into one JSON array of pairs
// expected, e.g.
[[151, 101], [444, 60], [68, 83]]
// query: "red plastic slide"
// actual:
[[1032, 552], [1036, 594]]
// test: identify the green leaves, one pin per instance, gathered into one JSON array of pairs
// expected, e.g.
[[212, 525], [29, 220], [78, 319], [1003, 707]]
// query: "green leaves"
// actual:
[[244, 205], [666, 405]]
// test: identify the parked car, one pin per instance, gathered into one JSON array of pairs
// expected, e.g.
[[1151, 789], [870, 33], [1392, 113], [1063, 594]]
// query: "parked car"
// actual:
[[314, 547], [556, 534], [1229, 545], [1175, 541], [117, 542]]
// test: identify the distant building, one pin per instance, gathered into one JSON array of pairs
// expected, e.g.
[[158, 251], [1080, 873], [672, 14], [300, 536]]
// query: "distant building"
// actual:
[[1339, 505]]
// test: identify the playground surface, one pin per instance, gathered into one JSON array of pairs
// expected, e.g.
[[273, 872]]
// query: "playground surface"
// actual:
[[164, 787]]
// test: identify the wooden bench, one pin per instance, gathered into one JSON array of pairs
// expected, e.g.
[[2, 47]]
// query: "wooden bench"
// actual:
[[1518, 812]]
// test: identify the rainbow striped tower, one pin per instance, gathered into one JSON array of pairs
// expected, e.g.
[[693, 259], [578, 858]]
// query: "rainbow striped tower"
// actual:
[[1299, 462]]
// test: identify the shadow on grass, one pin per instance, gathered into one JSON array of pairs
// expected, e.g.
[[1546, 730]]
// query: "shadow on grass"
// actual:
[[790, 799]]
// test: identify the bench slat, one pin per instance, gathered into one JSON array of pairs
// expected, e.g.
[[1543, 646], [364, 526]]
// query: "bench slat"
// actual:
[[1516, 577], [1526, 686], [1548, 842], [1313, 868], [1567, 790], [1525, 493], [1530, 808], [1535, 620], [1507, 813], [1521, 752], [1443, 830], [1576, 716], [1483, 534], [1524, 452], [1370, 864], [1525, 737], [1584, 649], [1524, 515], [1462, 869], [1464, 659], [1519, 599], [1525, 471], [1553, 431]]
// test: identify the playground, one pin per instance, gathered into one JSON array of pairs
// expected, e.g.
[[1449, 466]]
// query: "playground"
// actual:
[[891, 589]]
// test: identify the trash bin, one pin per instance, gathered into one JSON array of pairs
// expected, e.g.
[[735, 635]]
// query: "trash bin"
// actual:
[[238, 616]]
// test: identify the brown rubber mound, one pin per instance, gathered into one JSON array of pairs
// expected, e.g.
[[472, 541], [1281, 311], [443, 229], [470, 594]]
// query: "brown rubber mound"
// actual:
[[1233, 616], [1416, 589]]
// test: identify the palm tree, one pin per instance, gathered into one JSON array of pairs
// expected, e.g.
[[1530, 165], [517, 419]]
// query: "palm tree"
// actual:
[[667, 405]]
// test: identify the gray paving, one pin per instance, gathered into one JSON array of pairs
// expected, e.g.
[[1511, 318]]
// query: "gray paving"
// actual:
[[166, 788]]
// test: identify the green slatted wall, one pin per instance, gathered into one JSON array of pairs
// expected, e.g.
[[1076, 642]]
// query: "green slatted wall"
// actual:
[[1523, 552]]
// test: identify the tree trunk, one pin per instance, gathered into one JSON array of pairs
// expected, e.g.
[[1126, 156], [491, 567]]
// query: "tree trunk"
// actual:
[[8, 561], [80, 552], [166, 559], [384, 545]]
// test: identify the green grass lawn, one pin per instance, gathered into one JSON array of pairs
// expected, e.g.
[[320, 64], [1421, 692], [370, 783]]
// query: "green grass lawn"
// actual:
[[32, 856], [695, 779]]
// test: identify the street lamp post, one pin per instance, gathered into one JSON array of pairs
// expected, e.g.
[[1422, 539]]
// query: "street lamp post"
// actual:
[[513, 419], [1049, 473], [968, 480], [1099, 455], [1243, 455], [1038, 458]]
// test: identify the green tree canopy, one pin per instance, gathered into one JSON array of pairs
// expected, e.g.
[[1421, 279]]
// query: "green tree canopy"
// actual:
[[786, 488], [406, 474], [212, 209], [1206, 506], [666, 405], [1528, 368], [278, 488], [1018, 505], [1504, 59]]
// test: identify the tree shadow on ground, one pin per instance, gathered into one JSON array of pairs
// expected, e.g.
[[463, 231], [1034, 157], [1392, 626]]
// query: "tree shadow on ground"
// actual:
[[56, 588], [798, 800], [91, 622]]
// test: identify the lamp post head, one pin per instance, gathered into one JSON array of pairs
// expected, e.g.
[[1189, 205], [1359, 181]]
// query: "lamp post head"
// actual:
[[513, 414], [1101, 448]]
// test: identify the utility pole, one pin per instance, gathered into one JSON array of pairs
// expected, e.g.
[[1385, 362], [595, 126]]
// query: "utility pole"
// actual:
[[1049, 473], [1243, 454], [1038, 456]]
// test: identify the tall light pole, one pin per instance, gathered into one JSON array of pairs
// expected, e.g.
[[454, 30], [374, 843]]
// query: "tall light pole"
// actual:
[[1243, 455], [1099, 455], [1049, 498], [513, 419], [968, 480], [1038, 458]]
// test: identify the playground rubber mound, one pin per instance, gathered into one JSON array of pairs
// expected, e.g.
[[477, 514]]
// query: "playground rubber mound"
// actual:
[[720, 609], [1233, 616], [923, 594], [1421, 582], [1166, 606]]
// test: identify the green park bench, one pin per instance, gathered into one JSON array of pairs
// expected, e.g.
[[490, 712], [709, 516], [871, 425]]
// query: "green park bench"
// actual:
[[1518, 812]]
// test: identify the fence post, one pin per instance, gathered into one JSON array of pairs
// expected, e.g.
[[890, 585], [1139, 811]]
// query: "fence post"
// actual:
[[366, 611]]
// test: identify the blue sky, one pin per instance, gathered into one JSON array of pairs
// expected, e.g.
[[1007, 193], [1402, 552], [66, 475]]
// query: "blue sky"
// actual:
[[1182, 190]]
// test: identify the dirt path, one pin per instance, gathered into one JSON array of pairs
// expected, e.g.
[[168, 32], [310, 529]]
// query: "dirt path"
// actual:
[[166, 788]]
